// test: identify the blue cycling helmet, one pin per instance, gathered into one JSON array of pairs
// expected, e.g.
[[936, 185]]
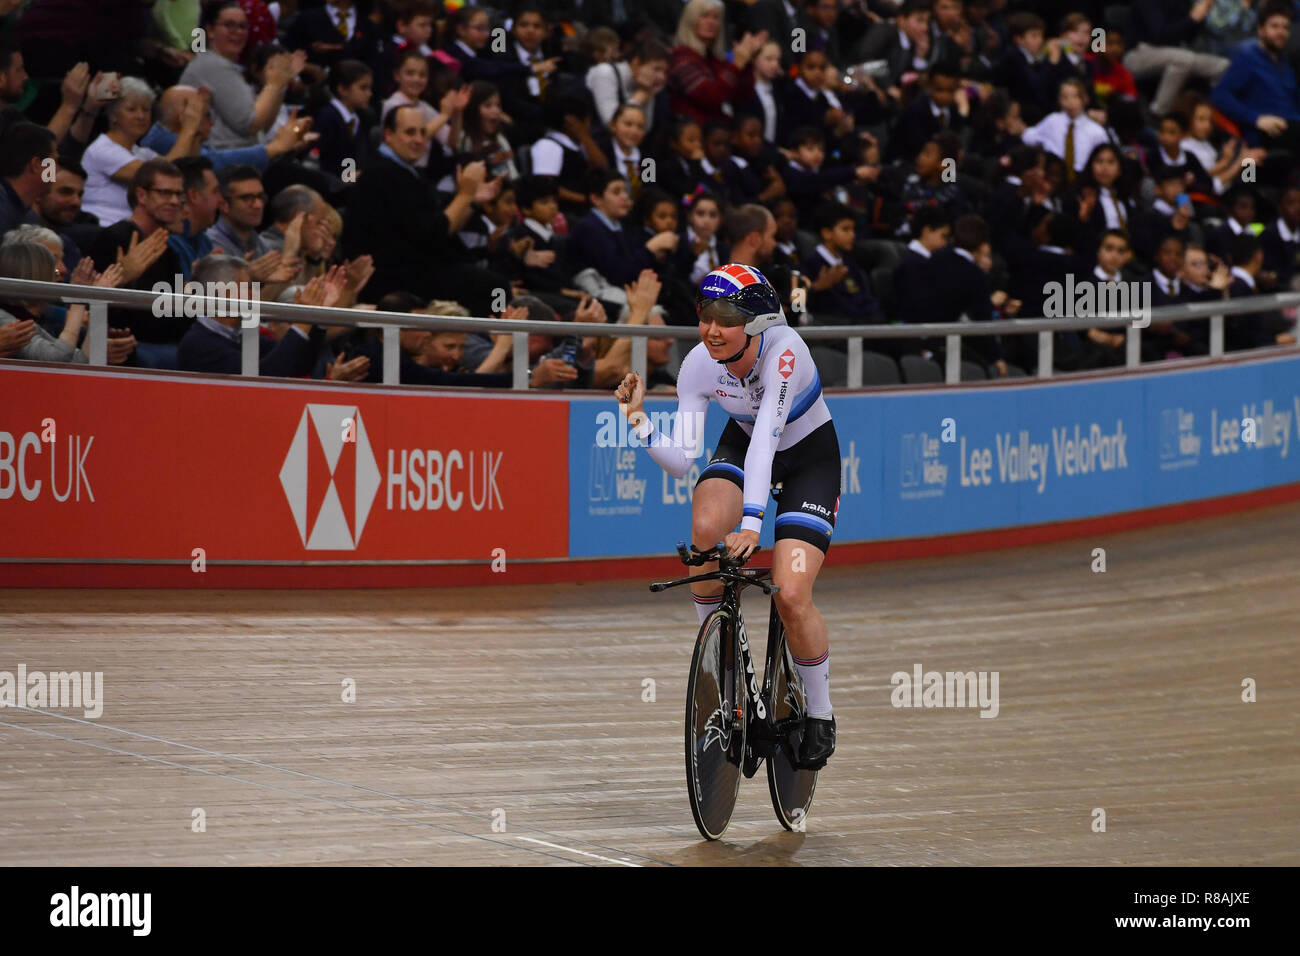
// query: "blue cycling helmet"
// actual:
[[734, 294]]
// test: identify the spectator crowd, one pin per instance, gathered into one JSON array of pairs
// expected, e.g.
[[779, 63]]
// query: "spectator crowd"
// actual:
[[880, 161]]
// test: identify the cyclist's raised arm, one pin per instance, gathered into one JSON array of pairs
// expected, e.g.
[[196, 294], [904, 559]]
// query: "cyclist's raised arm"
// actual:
[[676, 454]]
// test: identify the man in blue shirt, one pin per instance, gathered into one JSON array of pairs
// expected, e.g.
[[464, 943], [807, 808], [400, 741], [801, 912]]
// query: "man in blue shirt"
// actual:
[[1259, 91]]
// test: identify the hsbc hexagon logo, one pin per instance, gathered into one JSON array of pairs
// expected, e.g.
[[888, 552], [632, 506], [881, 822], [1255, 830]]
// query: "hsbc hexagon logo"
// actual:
[[330, 483], [785, 363]]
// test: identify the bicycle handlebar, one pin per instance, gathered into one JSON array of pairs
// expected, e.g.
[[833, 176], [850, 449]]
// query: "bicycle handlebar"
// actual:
[[695, 557], [729, 569]]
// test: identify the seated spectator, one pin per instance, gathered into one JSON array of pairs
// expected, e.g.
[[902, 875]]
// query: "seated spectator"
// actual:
[[344, 135], [817, 19], [1171, 158], [21, 335], [334, 32], [604, 256], [1069, 133], [1030, 80], [483, 136], [1228, 25], [807, 180], [162, 137], [614, 356], [522, 92], [414, 22], [1040, 260], [1103, 200], [198, 213], [916, 283], [1281, 239], [1261, 329], [1205, 279], [1240, 205], [627, 131], [1223, 165], [699, 253], [931, 113], [754, 164], [679, 161], [1166, 339], [140, 245], [793, 245], [1161, 36], [26, 151], [567, 150], [397, 216], [806, 101], [769, 93], [544, 262], [60, 208], [641, 80], [928, 185], [239, 114], [965, 290], [1171, 214], [656, 211], [214, 342], [493, 355], [485, 234], [906, 44], [1110, 77], [840, 293], [112, 159], [702, 79]]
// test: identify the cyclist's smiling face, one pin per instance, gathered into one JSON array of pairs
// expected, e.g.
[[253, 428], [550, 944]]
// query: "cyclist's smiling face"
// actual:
[[721, 340]]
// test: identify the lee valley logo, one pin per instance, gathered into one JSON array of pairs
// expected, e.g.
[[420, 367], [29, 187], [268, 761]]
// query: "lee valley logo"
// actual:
[[33, 689], [103, 909]]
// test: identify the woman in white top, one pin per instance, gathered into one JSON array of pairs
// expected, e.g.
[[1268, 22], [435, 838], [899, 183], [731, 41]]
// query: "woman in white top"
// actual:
[[412, 77], [112, 159], [636, 81]]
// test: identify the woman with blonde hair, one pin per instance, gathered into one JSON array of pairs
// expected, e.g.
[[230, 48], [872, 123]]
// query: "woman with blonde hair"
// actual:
[[702, 83], [21, 335]]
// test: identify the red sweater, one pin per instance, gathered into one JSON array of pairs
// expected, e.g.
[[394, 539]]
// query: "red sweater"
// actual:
[[698, 85]]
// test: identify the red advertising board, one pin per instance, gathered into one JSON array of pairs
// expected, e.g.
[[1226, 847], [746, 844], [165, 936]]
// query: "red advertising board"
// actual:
[[102, 465]]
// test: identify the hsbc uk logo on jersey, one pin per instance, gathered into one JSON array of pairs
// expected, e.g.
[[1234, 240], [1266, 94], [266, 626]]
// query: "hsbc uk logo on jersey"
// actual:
[[785, 364], [330, 477]]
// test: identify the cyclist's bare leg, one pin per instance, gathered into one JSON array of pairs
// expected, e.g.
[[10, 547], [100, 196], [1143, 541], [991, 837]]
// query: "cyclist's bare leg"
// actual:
[[795, 565], [716, 509]]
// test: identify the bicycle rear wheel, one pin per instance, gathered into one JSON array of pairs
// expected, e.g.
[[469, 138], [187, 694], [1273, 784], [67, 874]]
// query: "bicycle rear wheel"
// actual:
[[791, 787], [715, 737]]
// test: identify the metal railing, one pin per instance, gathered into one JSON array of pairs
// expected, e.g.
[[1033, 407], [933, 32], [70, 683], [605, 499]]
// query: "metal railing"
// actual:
[[98, 300]]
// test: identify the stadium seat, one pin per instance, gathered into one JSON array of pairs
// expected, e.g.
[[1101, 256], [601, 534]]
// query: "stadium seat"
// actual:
[[1013, 371], [917, 370], [832, 366], [971, 372], [879, 369]]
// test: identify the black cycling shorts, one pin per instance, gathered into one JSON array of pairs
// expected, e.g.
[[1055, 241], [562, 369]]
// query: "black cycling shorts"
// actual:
[[805, 480]]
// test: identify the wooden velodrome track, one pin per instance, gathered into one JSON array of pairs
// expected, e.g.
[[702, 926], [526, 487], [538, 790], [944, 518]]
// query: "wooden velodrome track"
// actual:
[[1119, 690]]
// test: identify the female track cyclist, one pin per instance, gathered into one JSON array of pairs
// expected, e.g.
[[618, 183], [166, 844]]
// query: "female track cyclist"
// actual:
[[781, 439]]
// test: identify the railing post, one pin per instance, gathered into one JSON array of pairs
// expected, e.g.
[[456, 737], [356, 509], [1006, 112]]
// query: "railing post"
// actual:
[[520, 361], [250, 350], [1133, 347], [952, 360], [392, 355], [97, 334], [1044, 354], [855, 362], [639, 360], [1216, 336]]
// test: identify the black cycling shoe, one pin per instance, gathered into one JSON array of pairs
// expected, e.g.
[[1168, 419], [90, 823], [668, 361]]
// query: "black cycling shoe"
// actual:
[[818, 743]]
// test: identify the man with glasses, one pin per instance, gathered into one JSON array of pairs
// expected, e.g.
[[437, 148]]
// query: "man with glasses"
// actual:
[[242, 205], [139, 243]]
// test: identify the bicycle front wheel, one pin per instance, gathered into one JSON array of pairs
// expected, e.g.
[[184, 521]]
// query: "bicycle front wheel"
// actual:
[[715, 735]]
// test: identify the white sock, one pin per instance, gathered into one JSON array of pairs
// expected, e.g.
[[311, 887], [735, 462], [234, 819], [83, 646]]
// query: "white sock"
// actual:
[[816, 675], [704, 606]]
